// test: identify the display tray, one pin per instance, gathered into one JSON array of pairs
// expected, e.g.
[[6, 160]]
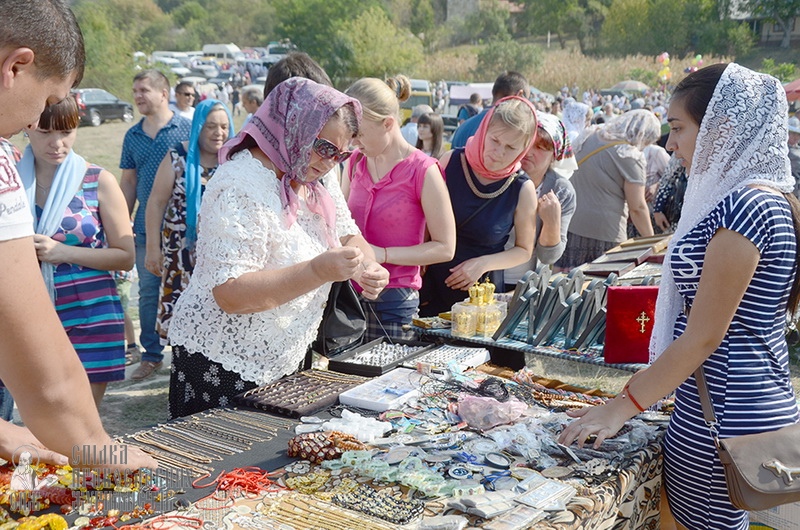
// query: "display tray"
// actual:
[[442, 355], [301, 394], [378, 357], [635, 255]]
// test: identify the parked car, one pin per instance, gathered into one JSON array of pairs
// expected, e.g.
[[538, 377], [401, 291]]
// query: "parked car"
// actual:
[[205, 70], [95, 106], [224, 77]]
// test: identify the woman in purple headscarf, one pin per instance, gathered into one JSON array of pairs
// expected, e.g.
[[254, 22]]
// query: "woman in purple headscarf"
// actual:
[[271, 239]]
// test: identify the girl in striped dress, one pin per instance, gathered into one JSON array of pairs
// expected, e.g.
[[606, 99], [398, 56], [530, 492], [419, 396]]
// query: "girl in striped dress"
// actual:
[[728, 281], [82, 233]]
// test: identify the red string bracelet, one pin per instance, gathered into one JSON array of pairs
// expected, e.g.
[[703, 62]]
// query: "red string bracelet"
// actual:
[[627, 392]]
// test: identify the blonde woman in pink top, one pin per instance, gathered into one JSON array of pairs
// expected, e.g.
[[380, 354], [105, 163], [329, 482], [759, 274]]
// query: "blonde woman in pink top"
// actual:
[[395, 192]]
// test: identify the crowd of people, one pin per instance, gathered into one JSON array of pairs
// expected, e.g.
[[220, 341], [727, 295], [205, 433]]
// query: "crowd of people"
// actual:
[[237, 238]]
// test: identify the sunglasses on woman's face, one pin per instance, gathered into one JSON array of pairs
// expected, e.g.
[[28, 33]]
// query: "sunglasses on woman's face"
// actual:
[[328, 151]]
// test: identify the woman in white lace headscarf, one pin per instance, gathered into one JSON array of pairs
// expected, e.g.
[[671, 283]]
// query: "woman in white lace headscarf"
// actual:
[[576, 118], [609, 186], [728, 280]]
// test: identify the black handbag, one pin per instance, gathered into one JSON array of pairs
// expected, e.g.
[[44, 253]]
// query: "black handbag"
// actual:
[[343, 322]]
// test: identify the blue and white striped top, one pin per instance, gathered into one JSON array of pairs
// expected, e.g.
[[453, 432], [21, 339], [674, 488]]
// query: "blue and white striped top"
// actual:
[[748, 375]]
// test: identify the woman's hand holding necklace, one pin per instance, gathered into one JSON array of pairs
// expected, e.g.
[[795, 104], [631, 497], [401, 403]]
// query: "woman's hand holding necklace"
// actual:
[[372, 278], [338, 264]]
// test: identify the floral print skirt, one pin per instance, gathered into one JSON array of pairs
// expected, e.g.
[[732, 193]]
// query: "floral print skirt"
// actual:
[[197, 383]]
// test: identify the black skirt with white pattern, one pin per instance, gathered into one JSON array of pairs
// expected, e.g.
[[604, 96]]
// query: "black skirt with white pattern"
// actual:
[[197, 383]]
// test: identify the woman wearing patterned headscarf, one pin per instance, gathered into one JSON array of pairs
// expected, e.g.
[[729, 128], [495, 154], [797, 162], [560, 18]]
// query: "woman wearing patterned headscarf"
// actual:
[[549, 163], [490, 195], [271, 239], [171, 216], [609, 186], [728, 279]]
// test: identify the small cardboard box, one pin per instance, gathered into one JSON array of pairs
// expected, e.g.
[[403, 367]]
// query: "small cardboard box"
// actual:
[[786, 517]]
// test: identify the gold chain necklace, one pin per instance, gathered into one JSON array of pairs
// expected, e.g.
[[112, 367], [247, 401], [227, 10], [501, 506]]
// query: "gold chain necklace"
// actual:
[[471, 183]]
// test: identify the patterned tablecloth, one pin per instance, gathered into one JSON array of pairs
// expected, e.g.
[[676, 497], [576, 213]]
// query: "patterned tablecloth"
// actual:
[[630, 501]]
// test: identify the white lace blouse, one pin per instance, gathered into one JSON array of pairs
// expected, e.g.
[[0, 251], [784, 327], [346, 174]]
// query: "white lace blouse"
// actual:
[[242, 229]]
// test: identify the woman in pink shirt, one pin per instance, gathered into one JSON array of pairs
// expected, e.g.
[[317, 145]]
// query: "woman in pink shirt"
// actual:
[[395, 192]]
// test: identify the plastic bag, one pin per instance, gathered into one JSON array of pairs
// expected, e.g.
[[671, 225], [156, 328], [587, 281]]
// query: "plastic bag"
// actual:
[[484, 413]]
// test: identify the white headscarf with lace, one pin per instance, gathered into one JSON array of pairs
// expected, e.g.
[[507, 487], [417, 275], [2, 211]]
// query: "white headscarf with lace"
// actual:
[[638, 128], [742, 141], [574, 117]]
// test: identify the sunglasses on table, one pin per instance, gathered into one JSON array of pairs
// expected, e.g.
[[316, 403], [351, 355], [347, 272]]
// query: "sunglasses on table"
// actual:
[[328, 151]]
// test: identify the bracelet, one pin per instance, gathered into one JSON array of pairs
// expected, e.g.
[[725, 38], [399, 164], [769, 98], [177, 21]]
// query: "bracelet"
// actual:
[[627, 393], [385, 254]]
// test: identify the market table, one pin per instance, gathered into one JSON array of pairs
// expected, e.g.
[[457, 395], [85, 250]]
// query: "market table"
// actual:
[[627, 499], [198, 454]]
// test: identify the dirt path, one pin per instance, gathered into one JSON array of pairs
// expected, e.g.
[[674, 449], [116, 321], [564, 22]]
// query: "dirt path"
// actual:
[[132, 405]]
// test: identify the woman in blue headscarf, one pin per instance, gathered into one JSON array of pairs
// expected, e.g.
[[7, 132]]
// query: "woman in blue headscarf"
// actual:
[[171, 216]]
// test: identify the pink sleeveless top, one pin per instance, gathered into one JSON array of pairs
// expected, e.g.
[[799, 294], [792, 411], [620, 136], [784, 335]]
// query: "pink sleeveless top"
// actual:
[[389, 213]]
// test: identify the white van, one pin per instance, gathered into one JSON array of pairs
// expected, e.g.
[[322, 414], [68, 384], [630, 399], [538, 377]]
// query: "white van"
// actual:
[[180, 56], [229, 52]]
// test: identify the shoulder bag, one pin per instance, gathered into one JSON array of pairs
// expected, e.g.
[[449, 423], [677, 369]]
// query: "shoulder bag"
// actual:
[[343, 321], [761, 470]]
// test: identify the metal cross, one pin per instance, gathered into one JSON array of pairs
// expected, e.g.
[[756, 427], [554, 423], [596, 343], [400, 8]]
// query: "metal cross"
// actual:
[[643, 319]]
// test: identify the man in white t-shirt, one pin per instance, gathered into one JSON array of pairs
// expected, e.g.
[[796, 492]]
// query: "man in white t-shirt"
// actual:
[[185, 99], [41, 58]]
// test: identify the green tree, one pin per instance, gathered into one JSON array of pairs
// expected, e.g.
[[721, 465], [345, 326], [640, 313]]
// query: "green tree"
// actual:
[[556, 16], [132, 17], [378, 47], [109, 63], [781, 12], [168, 6], [489, 23], [588, 18], [737, 40], [188, 12], [314, 26], [508, 54], [422, 19], [785, 72], [625, 28]]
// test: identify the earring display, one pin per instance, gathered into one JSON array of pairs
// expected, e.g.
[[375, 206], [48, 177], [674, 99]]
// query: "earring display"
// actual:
[[377, 357], [441, 356]]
